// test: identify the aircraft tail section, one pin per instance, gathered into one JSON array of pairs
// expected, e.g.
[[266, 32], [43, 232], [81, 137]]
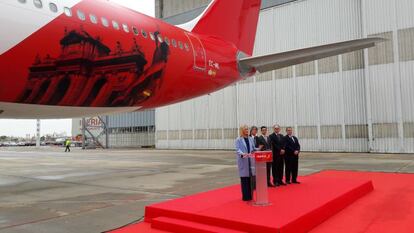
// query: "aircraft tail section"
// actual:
[[234, 21]]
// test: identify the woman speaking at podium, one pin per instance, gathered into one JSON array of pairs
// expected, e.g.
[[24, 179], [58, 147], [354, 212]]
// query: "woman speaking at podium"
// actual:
[[244, 148]]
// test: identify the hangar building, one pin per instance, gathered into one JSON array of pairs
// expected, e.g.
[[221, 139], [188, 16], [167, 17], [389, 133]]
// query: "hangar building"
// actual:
[[356, 102]]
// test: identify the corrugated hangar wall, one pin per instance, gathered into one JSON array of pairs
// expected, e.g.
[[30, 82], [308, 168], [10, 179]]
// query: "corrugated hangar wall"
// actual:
[[136, 129], [356, 102]]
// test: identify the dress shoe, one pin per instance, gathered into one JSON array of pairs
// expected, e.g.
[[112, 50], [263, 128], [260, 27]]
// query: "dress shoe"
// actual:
[[270, 185], [281, 183], [296, 182], [277, 184], [287, 182]]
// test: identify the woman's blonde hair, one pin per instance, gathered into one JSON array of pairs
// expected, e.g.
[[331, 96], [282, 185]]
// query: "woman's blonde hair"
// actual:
[[242, 127]]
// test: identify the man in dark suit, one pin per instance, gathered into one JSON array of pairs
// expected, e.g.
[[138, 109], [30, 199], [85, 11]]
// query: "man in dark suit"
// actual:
[[263, 140], [253, 134], [277, 143], [292, 156]]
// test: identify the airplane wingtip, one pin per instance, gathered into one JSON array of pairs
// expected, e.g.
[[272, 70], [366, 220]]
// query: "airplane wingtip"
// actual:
[[378, 39]]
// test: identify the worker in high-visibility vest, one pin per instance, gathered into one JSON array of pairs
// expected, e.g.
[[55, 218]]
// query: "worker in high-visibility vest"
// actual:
[[67, 145]]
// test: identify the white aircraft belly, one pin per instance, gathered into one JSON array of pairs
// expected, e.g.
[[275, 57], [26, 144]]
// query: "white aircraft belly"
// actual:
[[31, 111]]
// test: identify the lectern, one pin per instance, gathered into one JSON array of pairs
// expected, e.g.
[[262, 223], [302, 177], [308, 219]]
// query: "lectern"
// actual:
[[261, 158]]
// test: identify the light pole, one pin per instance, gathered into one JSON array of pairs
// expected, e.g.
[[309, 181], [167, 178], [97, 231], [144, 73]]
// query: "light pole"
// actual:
[[38, 133]]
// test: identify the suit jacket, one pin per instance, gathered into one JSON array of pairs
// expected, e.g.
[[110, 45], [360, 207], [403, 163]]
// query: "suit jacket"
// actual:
[[277, 142], [243, 163], [290, 145], [261, 140], [255, 140]]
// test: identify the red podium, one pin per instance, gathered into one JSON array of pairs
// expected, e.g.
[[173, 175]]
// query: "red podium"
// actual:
[[261, 158]]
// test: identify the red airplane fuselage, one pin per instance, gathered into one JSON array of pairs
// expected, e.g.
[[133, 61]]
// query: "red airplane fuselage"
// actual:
[[99, 54]]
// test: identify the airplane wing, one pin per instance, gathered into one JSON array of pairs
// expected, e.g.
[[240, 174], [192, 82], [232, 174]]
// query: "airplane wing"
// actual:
[[280, 60]]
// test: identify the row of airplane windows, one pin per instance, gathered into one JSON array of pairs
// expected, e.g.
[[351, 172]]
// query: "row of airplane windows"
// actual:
[[105, 22]]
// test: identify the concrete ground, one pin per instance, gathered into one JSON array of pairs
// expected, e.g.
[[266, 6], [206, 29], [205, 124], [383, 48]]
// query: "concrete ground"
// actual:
[[46, 190]]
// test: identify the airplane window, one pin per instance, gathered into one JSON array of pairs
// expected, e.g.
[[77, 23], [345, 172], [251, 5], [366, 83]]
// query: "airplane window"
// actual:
[[115, 25], [135, 30], [152, 36], [93, 19], [174, 43], [53, 7], [22, 1], [144, 34], [126, 29], [104, 22], [38, 3], [68, 11], [186, 47], [160, 38], [180, 44], [81, 15], [167, 40]]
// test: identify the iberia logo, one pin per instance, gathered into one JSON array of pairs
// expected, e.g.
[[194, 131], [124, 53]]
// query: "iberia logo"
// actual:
[[263, 156]]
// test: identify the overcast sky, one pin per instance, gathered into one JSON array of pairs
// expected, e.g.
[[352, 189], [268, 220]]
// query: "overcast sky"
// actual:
[[21, 128]]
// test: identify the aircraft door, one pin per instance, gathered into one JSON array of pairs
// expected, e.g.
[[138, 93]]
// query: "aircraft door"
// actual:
[[200, 60]]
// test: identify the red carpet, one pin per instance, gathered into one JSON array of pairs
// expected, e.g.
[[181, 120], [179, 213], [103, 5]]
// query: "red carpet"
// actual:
[[389, 208], [295, 208]]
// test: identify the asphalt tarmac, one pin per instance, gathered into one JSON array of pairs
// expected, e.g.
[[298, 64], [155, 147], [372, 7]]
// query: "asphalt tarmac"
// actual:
[[46, 190]]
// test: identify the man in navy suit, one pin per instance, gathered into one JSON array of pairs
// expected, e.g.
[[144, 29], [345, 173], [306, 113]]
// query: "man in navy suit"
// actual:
[[292, 148]]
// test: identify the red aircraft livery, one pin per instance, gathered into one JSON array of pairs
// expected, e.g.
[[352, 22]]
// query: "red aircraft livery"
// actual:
[[72, 58]]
